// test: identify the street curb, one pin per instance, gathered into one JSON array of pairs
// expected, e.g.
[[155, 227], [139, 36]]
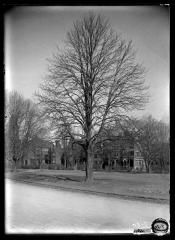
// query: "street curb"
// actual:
[[104, 194]]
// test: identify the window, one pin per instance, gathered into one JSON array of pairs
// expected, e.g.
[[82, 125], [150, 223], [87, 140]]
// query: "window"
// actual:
[[132, 153], [137, 154], [44, 153], [25, 162], [95, 155]]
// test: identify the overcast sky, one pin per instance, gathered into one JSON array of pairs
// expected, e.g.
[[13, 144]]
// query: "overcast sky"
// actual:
[[32, 33]]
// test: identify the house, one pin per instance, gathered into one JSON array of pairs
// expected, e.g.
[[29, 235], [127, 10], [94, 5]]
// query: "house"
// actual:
[[41, 152], [119, 153], [139, 162]]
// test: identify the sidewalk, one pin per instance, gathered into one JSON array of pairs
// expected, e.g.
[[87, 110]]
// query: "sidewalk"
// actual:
[[145, 187]]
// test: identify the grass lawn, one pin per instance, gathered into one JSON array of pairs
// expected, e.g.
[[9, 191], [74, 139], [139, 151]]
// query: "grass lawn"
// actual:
[[128, 184]]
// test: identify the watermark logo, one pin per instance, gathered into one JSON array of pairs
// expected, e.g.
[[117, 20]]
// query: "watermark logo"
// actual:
[[159, 226]]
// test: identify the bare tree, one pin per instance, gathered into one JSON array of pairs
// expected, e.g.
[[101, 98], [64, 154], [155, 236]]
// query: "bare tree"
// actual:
[[162, 150], [152, 138], [15, 116], [93, 82], [24, 123]]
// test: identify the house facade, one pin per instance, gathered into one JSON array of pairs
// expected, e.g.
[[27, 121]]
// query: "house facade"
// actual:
[[139, 162], [41, 153], [120, 153]]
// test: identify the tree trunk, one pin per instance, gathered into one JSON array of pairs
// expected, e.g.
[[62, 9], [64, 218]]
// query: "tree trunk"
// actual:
[[147, 164], [65, 161], [75, 166], [89, 166], [40, 163], [162, 166], [147, 167], [15, 167], [109, 163]]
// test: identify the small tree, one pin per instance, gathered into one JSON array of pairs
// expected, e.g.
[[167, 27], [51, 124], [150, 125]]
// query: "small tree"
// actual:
[[151, 136], [162, 146], [15, 115], [25, 122], [93, 82]]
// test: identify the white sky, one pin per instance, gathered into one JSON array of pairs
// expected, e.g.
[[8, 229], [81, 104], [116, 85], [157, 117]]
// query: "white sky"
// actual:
[[32, 33]]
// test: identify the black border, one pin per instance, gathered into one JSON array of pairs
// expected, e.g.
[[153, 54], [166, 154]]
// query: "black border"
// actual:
[[7, 6]]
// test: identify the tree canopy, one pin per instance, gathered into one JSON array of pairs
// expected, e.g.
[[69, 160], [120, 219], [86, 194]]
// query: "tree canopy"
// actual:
[[93, 82], [24, 122]]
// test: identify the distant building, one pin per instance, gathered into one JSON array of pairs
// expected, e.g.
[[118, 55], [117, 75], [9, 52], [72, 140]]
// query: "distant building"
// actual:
[[119, 153], [40, 153], [139, 162]]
